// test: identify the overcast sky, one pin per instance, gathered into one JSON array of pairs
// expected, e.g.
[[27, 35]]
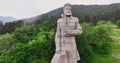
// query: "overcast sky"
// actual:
[[29, 8]]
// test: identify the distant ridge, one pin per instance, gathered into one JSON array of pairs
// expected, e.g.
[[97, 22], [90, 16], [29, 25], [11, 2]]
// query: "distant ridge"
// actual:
[[7, 19]]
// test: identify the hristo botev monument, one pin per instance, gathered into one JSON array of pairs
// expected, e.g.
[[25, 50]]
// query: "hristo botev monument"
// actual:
[[67, 27]]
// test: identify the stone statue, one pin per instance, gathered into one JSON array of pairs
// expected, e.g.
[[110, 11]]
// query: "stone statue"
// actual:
[[67, 27]]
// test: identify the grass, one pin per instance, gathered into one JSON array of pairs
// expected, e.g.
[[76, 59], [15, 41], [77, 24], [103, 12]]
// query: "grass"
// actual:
[[114, 56]]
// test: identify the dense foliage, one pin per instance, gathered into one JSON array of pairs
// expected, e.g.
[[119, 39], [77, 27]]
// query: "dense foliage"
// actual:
[[9, 26], [118, 23], [35, 43]]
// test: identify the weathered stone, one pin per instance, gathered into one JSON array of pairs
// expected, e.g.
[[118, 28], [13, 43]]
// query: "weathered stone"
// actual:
[[67, 27]]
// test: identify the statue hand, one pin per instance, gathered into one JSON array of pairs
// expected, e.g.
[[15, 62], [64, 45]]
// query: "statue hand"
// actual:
[[68, 32]]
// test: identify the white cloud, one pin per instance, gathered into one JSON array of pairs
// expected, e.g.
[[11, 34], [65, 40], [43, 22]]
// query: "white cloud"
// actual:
[[29, 8]]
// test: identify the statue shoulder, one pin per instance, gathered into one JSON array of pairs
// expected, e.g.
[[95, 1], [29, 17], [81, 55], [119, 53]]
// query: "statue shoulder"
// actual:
[[75, 18], [59, 20]]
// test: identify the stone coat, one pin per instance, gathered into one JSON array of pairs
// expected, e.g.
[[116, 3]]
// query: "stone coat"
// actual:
[[71, 27]]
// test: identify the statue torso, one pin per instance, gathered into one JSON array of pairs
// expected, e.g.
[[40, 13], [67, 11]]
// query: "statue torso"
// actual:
[[67, 24]]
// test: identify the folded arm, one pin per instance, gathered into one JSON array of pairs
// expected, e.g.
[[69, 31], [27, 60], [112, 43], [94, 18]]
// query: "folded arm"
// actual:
[[77, 30]]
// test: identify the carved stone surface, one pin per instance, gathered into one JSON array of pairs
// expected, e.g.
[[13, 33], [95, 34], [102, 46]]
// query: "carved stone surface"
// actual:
[[67, 27]]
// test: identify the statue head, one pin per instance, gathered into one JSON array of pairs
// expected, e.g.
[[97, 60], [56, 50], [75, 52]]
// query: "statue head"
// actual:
[[67, 9]]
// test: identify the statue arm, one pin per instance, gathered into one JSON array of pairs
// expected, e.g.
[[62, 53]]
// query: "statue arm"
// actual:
[[78, 29], [58, 36]]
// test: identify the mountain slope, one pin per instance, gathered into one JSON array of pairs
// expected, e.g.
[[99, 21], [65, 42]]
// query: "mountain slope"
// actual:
[[88, 13]]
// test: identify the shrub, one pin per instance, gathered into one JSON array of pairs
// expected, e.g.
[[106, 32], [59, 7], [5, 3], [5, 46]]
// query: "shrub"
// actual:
[[6, 42], [19, 54], [100, 36], [118, 23], [26, 33], [43, 46], [83, 46]]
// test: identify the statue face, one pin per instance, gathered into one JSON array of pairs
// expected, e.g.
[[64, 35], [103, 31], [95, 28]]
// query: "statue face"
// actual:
[[67, 10]]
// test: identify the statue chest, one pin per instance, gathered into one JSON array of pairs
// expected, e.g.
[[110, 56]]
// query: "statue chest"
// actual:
[[71, 24]]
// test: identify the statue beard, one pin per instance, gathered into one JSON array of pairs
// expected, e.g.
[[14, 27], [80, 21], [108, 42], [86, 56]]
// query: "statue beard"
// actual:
[[68, 15]]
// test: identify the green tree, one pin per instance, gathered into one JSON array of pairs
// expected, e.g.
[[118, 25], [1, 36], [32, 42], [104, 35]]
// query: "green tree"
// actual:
[[118, 23], [26, 33], [6, 42], [83, 45]]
